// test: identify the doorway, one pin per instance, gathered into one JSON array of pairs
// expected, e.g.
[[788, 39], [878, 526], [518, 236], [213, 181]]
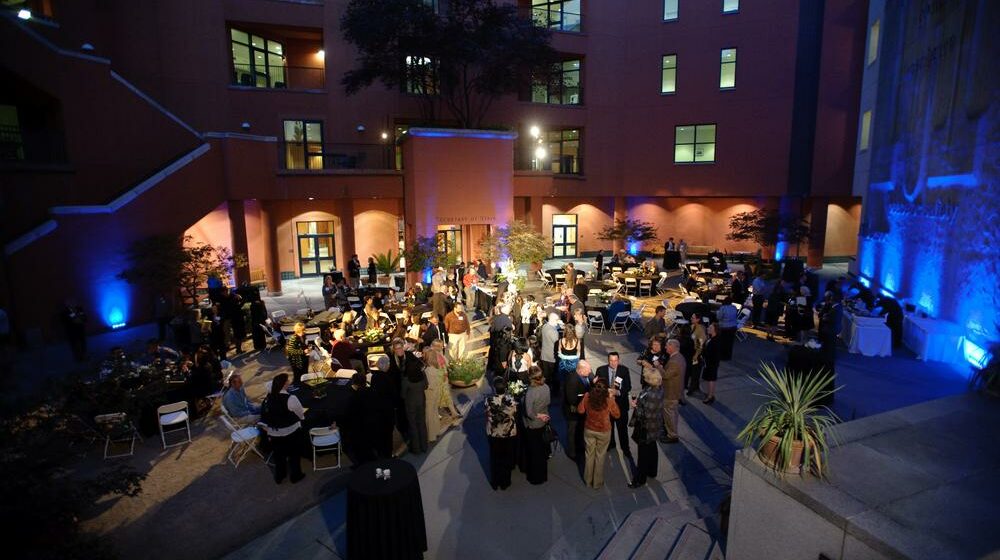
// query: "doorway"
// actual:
[[564, 235], [316, 249]]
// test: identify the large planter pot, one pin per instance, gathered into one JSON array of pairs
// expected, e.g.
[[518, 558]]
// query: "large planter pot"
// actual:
[[464, 385], [768, 454], [383, 280]]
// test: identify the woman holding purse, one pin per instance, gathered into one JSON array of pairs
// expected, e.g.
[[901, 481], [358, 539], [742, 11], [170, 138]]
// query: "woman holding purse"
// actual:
[[647, 423]]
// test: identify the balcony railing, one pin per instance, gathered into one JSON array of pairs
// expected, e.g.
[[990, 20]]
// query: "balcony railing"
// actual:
[[280, 77], [557, 19], [315, 156], [559, 165]]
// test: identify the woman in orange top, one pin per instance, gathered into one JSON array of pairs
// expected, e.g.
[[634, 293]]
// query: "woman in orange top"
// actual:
[[600, 407]]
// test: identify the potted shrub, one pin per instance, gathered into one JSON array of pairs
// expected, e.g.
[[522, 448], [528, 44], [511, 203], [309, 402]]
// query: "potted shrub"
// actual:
[[791, 428], [467, 371]]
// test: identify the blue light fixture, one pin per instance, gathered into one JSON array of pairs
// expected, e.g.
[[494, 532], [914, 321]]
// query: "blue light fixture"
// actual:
[[427, 275], [975, 354], [633, 248]]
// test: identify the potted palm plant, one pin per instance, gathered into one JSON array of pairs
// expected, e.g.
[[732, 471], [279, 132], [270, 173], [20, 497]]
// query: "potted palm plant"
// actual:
[[386, 264], [791, 428]]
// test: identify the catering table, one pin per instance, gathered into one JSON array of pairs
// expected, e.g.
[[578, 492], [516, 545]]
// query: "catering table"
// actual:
[[933, 339], [485, 299], [385, 518], [671, 260], [325, 401], [322, 319], [868, 336]]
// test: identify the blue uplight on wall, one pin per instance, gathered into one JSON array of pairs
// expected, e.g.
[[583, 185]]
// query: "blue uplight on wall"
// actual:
[[427, 275], [633, 248], [780, 248], [113, 299], [975, 354]]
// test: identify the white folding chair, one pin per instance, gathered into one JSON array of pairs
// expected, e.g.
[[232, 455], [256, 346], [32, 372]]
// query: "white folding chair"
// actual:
[[311, 334], [560, 280], [636, 315], [647, 285], [631, 285], [616, 270], [547, 278], [174, 414], [303, 312], [354, 302], [270, 339], [741, 321], [345, 373], [595, 292], [387, 318], [278, 314], [117, 428], [372, 360], [244, 441], [325, 440], [619, 325], [595, 319]]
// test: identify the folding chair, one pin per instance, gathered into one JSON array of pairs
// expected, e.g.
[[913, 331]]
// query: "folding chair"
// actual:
[[354, 302], [275, 315], [741, 321], [595, 319], [310, 376], [372, 361], [619, 325], [616, 270], [387, 318], [636, 316], [631, 285], [244, 441], [560, 280], [117, 428], [173, 414], [647, 285], [311, 334], [325, 440], [270, 339]]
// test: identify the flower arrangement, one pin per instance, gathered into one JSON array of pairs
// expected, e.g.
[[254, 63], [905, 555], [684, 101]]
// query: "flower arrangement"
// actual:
[[373, 335], [516, 388]]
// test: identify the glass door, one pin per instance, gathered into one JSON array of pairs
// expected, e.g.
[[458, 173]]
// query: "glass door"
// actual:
[[563, 235], [449, 241], [315, 244]]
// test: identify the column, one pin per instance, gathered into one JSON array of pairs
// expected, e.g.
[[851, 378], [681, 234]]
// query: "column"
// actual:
[[238, 229], [621, 213], [272, 265], [345, 212], [817, 231]]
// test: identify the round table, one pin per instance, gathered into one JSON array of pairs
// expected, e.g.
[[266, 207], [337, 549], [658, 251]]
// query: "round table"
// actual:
[[385, 518]]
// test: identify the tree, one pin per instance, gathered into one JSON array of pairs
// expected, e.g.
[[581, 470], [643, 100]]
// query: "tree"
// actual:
[[464, 58], [629, 231], [517, 242], [43, 491], [168, 263], [767, 228], [426, 254]]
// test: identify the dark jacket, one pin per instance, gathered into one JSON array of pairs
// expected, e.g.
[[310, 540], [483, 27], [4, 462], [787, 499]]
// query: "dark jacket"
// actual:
[[573, 391], [626, 386], [411, 364]]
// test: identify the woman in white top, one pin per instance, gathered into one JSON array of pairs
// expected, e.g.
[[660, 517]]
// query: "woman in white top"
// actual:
[[520, 361], [529, 316]]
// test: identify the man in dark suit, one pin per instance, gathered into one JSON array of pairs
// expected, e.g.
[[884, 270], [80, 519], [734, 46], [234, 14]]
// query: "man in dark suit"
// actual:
[[574, 389], [599, 264], [401, 364], [434, 331], [611, 373]]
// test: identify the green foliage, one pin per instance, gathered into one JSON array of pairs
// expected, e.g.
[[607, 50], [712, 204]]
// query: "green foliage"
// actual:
[[767, 227], [165, 263], [387, 263], [478, 50], [426, 253], [44, 491], [466, 370], [793, 413], [517, 241], [629, 231]]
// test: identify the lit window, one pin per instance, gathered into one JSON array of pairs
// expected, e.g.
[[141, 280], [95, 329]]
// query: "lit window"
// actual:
[[730, 6], [727, 70], [303, 144], [562, 151], [421, 75], [670, 9], [257, 62], [866, 128], [561, 15], [668, 83], [694, 143], [563, 87], [873, 42]]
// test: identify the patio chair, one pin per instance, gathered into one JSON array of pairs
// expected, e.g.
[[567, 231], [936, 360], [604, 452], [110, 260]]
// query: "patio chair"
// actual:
[[560, 280], [616, 270], [631, 285], [244, 441], [619, 325], [741, 322], [636, 316], [170, 415], [595, 319], [117, 428], [270, 338], [325, 440], [311, 334], [278, 314]]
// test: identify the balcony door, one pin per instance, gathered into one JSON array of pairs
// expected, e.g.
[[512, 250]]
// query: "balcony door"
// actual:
[[303, 145], [316, 249], [563, 235]]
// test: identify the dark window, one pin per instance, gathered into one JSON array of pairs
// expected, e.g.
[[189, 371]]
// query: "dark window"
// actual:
[[564, 86], [11, 141], [561, 15], [421, 75]]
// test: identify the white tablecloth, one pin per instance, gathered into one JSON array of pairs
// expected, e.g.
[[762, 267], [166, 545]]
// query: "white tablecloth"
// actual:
[[868, 336], [933, 339]]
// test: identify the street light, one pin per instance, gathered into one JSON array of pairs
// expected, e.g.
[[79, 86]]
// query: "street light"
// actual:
[[535, 131]]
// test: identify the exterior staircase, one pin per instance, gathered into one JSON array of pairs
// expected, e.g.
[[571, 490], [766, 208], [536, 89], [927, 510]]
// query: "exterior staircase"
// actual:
[[671, 531]]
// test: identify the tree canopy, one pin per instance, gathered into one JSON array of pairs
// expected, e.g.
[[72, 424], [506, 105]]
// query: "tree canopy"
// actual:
[[169, 263], [464, 58], [516, 241], [629, 231], [767, 227]]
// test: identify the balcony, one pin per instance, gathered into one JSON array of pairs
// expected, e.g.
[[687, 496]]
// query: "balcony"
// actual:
[[314, 157], [283, 77], [565, 164]]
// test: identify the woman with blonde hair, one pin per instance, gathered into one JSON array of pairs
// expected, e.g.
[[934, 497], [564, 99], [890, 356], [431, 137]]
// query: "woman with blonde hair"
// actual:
[[435, 368], [647, 423], [444, 399], [569, 352]]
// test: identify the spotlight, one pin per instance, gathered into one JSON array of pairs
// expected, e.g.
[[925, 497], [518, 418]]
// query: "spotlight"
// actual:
[[360, 128], [321, 54], [245, 125], [385, 135], [535, 131], [540, 153], [86, 47], [24, 14]]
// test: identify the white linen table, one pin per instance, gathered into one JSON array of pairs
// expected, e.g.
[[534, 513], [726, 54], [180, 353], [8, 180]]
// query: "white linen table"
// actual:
[[868, 336], [933, 339]]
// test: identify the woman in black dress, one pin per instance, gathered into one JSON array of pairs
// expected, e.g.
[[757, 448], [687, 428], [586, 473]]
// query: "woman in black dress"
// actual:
[[372, 272], [536, 417], [710, 354], [501, 430]]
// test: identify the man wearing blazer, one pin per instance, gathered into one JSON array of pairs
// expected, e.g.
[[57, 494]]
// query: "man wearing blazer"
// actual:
[[610, 373], [573, 390]]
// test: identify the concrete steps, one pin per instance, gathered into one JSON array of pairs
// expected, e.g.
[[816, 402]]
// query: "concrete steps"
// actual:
[[673, 531]]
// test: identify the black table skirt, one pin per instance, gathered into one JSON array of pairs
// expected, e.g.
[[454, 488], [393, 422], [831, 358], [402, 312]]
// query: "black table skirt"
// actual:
[[805, 361], [385, 518], [485, 302]]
